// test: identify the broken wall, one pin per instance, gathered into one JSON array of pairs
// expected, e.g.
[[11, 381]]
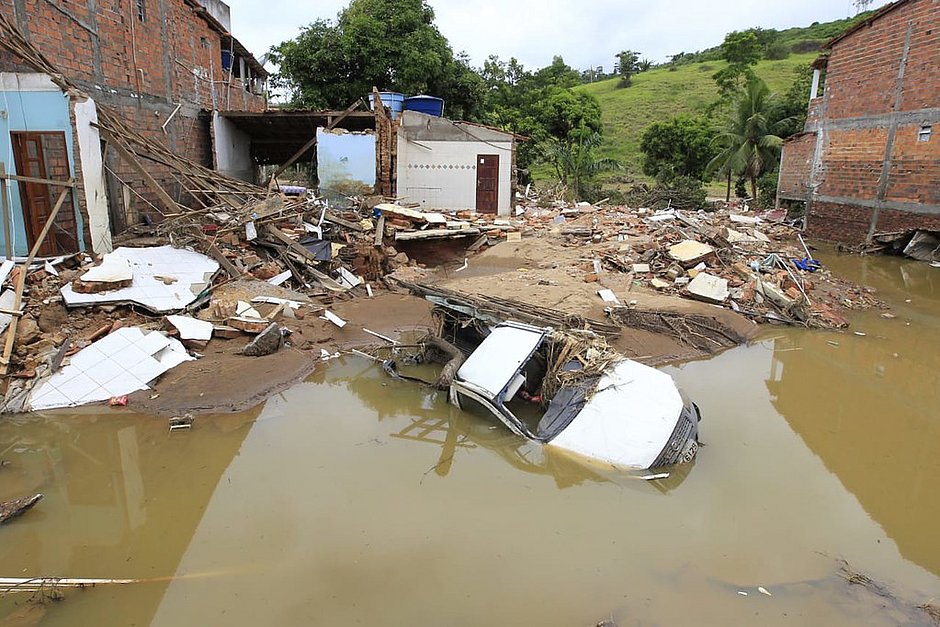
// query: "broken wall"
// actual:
[[231, 149], [157, 64], [345, 164], [32, 102]]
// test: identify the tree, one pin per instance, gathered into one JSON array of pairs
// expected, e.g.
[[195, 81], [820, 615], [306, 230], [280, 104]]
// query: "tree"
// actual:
[[391, 44], [791, 109], [680, 146], [750, 147], [741, 50], [627, 62], [575, 162]]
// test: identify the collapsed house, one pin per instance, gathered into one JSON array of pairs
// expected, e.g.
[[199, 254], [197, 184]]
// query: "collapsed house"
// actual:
[[868, 160], [160, 68]]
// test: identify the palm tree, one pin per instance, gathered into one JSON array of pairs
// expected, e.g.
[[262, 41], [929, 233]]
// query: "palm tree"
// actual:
[[750, 147], [574, 160]]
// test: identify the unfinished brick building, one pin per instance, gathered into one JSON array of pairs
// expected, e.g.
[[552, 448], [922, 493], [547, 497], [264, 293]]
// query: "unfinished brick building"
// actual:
[[868, 160], [165, 67]]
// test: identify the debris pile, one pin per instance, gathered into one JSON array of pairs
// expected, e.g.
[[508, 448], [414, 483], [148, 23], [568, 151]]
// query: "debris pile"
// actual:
[[752, 264]]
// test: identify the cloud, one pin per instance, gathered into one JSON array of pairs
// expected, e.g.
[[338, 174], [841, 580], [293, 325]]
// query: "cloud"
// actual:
[[587, 33]]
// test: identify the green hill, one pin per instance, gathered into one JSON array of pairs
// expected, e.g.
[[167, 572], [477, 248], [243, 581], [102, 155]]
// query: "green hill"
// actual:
[[664, 92], [686, 86]]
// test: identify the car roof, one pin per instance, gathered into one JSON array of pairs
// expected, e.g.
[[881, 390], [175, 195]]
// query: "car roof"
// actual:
[[496, 360]]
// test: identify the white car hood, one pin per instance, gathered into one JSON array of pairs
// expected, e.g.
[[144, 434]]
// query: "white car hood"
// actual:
[[628, 421]]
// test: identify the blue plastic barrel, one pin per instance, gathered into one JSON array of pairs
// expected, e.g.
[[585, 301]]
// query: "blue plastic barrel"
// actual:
[[391, 99], [425, 104]]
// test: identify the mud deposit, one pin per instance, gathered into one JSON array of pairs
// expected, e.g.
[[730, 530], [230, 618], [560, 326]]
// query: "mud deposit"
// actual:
[[354, 499]]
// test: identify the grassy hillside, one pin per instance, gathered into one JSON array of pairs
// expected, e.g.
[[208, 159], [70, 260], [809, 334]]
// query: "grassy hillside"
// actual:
[[664, 92]]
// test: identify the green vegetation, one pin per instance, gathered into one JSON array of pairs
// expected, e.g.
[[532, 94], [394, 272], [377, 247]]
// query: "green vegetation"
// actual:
[[664, 92]]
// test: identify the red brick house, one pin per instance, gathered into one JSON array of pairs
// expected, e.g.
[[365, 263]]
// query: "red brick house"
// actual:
[[868, 160], [164, 66]]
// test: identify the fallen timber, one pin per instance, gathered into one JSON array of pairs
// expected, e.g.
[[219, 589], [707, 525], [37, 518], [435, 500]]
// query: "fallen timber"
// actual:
[[12, 509], [507, 309]]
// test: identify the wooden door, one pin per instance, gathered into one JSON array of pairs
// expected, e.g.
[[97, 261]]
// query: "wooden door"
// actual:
[[44, 155], [487, 183]]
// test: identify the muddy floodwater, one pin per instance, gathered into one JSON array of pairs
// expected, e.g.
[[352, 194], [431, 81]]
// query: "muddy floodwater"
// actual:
[[354, 499]]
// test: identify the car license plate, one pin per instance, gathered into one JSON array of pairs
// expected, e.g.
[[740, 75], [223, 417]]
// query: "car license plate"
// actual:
[[689, 453]]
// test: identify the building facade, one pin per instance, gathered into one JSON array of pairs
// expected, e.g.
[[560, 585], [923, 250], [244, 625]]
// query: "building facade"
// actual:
[[868, 160], [163, 66], [450, 165]]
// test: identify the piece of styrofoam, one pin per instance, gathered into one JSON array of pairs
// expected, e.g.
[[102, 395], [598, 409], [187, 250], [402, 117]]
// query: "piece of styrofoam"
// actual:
[[183, 274]]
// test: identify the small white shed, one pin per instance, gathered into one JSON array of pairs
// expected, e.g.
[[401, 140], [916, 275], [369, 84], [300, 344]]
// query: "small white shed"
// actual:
[[444, 164]]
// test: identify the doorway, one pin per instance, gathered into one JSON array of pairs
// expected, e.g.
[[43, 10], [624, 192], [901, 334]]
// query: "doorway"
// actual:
[[44, 155], [487, 183]]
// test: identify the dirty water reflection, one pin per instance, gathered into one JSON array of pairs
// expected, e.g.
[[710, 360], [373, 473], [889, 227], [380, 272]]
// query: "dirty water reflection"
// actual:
[[356, 499]]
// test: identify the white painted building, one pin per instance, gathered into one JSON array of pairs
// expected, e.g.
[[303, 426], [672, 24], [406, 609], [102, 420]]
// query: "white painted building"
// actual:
[[450, 165]]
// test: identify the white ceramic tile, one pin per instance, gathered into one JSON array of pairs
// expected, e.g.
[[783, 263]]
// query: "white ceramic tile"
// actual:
[[95, 394], [86, 358], [170, 358], [64, 375], [153, 343], [130, 356], [77, 387], [113, 342], [147, 370], [123, 384], [104, 371], [50, 399]]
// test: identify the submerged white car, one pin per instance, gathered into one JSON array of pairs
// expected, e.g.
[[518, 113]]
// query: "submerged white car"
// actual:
[[630, 416]]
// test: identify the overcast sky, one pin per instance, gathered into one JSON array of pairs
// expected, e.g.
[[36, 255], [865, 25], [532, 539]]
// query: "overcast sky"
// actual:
[[587, 33]]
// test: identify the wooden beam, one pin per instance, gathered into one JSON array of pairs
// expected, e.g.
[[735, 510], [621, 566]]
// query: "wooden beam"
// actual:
[[21, 281], [379, 230], [297, 155], [30, 179], [406, 236], [171, 205], [227, 265], [329, 216]]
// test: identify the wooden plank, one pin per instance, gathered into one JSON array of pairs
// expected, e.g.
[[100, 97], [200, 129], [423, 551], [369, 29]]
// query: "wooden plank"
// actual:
[[227, 265], [335, 219], [31, 179], [404, 236], [380, 230], [7, 246], [21, 281], [171, 205]]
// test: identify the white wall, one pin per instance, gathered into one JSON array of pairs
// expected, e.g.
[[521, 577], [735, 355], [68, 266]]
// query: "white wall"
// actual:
[[443, 174], [232, 149], [96, 196]]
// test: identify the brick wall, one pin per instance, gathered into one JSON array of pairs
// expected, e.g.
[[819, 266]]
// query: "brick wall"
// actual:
[[863, 67], [795, 164], [915, 165], [838, 223], [141, 68], [852, 161], [860, 112]]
